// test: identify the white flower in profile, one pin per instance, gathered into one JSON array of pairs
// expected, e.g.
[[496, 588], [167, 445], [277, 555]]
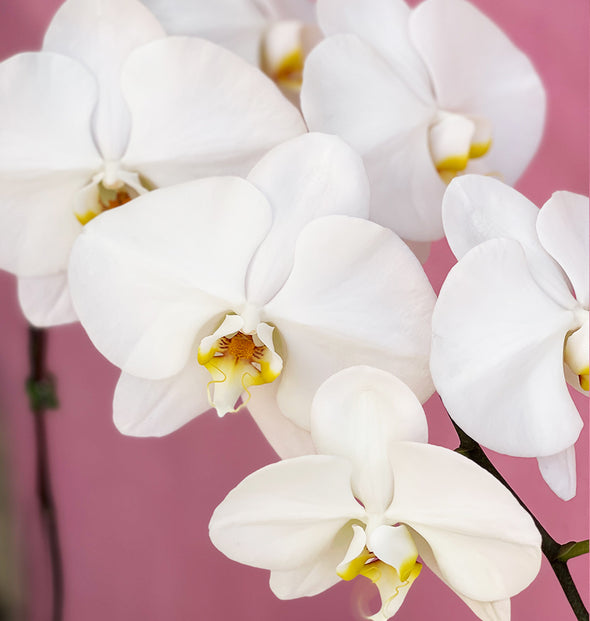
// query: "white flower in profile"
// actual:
[[275, 35], [511, 323], [422, 94], [109, 109], [202, 292], [374, 500]]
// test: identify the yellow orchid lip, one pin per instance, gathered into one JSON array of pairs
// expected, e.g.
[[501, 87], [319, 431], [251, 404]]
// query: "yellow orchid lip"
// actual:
[[282, 54], [455, 139], [357, 566], [392, 587], [236, 361], [575, 353], [289, 72], [375, 572], [367, 563], [479, 149], [584, 379], [107, 199], [453, 163]]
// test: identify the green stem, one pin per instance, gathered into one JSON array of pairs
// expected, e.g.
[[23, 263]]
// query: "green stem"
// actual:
[[572, 549], [42, 397], [556, 553]]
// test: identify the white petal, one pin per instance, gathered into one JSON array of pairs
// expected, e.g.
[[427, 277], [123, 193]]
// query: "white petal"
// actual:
[[45, 300], [478, 208], [497, 354], [383, 24], [562, 227], [316, 576], [304, 178], [234, 24], [39, 226], [486, 611], [476, 69], [47, 155], [284, 436], [46, 103], [101, 34], [559, 472], [147, 277], [304, 10], [282, 516], [357, 414], [146, 408], [350, 90], [406, 189], [485, 545], [209, 111], [489, 611], [356, 295]]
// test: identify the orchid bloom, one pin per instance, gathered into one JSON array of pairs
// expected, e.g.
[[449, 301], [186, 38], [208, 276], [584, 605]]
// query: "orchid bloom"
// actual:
[[275, 35], [204, 292], [422, 94], [110, 109], [511, 323], [374, 500]]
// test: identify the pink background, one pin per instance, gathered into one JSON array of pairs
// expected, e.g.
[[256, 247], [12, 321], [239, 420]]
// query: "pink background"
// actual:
[[133, 513]]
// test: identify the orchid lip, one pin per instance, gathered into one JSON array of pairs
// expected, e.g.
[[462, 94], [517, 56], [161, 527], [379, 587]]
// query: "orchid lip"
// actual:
[[284, 47], [237, 359], [391, 545], [576, 350], [281, 53], [454, 139], [110, 188]]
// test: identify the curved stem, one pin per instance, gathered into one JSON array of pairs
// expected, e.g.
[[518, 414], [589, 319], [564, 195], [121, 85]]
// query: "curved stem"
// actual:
[[556, 554], [42, 397]]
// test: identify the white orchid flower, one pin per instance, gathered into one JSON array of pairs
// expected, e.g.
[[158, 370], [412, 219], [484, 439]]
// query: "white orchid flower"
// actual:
[[202, 291], [108, 110], [275, 35], [374, 500], [422, 94], [511, 323]]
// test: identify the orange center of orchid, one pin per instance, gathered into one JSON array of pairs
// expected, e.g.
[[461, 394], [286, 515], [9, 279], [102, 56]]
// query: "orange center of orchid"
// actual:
[[120, 198]]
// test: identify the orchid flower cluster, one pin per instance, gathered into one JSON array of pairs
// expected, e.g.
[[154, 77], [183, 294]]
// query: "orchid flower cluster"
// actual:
[[233, 198]]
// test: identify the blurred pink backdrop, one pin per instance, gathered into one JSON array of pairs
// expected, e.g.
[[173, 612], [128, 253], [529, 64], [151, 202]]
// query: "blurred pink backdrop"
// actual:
[[133, 513]]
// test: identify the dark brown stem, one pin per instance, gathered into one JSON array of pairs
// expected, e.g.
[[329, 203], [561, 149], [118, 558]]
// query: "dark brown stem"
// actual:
[[556, 553], [42, 397]]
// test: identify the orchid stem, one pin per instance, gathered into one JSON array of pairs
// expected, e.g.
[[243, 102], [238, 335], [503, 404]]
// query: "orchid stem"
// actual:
[[556, 554], [42, 397]]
